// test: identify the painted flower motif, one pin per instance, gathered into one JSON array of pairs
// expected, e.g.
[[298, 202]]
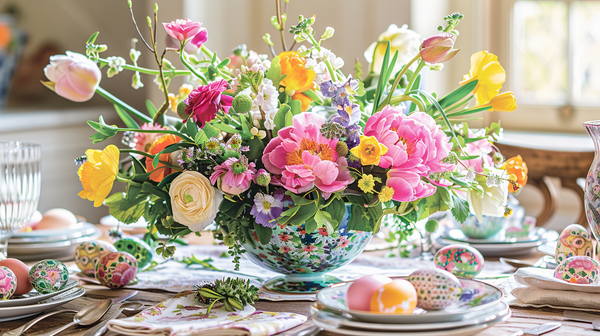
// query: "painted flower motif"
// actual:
[[73, 76], [285, 249], [204, 102], [323, 231], [299, 78], [284, 237], [267, 209], [98, 173], [489, 73], [123, 274], [143, 141], [300, 157], [234, 175], [195, 202], [162, 169], [309, 248]]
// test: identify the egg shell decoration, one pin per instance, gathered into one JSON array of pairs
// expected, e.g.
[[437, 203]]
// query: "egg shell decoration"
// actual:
[[574, 240], [396, 297], [21, 271], [436, 288], [579, 270], [8, 283], [137, 248], [461, 260], [360, 292], [116, 269], [87, 255], [48, 276]]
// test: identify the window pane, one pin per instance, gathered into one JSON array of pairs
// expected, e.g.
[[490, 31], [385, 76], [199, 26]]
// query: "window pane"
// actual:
[[540, 55], [586, 47]]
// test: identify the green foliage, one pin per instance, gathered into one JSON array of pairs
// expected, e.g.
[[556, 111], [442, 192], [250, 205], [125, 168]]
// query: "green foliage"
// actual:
[[439, 201], [234, 293], [363, 218], [460, 209], [274, 73], [280, 117], [125, 207], [103, 130], [126, 118], [458, 94]]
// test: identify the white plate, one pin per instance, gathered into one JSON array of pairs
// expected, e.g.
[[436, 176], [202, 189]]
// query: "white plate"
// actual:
[[548, 248], [478, 317], [35, 297], [54, 235], [476, 295], [14, 313], [540, 234], [464, 331], [51, 250]]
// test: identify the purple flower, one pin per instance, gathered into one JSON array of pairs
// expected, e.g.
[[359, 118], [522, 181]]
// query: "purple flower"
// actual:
[[267, 209], [353, 136]]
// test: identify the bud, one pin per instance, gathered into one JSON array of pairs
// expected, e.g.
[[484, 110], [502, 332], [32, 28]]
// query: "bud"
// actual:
[[437, 67], [438, 48], [267, 39], [262, 178], [181, 110], [101, 48], [504, 102], [134, 55], [328, 33], [254, 131], [241, 103], [229, 240], [241, 50], [149, 20], [136, 81], [129, 3], [275, 22], [341, 148]]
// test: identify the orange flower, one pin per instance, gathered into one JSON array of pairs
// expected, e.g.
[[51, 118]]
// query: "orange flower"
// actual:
[[303, 99], [5, 35], [159, 172], [298, 78], [516, 167]]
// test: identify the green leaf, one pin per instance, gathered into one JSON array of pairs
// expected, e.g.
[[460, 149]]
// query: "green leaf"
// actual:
[[310, 225], [280, 118], [92, 38], [361, 218], [310, 93], [256, 149], [289, 119], [274, 73], [245, 128], [296, 107], [225, 128], [336, 210], [200, 137], [439, 201], [191, 128], [126, 118], [264, 233], [125, 210], [103, 128], [458, 94], [382, 81], [151, 108], [460, 209], [168, 179], [210, 131]]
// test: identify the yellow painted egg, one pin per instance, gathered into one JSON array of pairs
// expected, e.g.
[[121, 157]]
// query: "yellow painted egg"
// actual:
[[396, 297], [87, 255], [573, 241]]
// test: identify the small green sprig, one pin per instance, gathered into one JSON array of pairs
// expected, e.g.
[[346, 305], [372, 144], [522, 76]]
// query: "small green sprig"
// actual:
[[234, 293]]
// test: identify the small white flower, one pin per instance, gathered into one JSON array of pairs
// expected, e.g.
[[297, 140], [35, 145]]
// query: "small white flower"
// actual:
[[115, 65]]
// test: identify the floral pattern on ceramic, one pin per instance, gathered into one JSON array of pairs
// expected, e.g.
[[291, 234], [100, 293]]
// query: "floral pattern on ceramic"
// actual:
[[305, 257], [48, 276], [490, 226], [137, 248], [8, 283], [579, 270], [116, 269], [461, 260], [592, 181], [436, 288], [574, 240], [182, 315], [87, 255]]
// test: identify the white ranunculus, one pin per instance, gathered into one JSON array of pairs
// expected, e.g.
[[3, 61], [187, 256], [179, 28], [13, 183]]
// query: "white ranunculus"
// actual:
[[492, 202], [404, 40], [195, 202]]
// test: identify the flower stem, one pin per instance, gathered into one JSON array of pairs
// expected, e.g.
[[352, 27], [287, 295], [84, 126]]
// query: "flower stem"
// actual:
[[137, 152], [189, 66], [123, 105], [326, 61], [396, 82], [179, 134], [147, 71], [399, 99], [278, 7], [414, 76]]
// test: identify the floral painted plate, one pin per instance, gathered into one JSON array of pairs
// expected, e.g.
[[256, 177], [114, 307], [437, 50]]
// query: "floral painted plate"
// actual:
[[476, 295], [34, 297]]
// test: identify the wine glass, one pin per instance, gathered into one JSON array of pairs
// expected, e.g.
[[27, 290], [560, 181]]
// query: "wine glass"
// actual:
[[20, 182]]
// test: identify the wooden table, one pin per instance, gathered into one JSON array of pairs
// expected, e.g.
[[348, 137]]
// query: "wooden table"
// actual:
[[522, 318]]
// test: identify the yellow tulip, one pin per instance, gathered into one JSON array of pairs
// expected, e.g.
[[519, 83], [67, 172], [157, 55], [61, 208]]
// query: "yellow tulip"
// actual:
[[504, 102], [490, 75], [369, 151], [98, 173]]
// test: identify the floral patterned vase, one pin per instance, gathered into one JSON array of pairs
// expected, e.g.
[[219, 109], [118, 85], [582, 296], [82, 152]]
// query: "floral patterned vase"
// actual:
[[592, 181], [304, 257]]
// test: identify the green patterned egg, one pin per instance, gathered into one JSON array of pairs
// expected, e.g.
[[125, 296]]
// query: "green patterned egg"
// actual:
[[48, 276], [137, 248]]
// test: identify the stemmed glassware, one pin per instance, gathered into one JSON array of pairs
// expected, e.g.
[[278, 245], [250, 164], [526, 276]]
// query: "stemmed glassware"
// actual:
[[20, 184]]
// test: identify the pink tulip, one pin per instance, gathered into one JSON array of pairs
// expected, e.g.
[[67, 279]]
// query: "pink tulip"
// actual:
[[73, 76], [438, 48], [182, 30]]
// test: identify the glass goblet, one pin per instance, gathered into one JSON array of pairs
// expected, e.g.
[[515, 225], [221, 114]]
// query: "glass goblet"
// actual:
[[20, 183]]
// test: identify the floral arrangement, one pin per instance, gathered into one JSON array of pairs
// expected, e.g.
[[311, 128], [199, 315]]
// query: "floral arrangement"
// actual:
[[253, 142]]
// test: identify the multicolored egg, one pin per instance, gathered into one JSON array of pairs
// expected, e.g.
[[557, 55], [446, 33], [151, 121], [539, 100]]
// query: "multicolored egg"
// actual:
[[436, 288], [574, 240], [579, 270], [87, 255], [8, 283], [461, 260], [137, 248], [116, 269], [48, 276], [360, 292], [396, 297]]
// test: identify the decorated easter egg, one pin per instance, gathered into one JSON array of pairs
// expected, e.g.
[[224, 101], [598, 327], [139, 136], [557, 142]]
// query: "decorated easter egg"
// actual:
[[8, 283], [396, 297], [48, 276], [137, 248], [360, 292], [116, 269], [88, 253], [574, 240], [21, 271], [436, 288], [578, 269], [461, 260]]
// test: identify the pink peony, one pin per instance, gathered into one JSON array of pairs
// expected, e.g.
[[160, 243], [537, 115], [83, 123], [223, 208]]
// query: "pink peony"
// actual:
[[143, 141], [301, 158], [482, 148], [235, 175], [416, 147], [182, 30], [204, 102]]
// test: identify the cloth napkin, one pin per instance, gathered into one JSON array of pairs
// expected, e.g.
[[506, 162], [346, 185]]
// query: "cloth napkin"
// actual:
[[537, 287], [181, 316]]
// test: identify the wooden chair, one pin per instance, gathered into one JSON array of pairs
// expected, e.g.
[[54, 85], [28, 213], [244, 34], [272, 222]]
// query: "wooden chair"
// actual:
[[565, 156]]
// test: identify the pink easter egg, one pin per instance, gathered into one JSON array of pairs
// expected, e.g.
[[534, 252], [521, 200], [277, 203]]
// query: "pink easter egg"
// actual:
[[360, 292]]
